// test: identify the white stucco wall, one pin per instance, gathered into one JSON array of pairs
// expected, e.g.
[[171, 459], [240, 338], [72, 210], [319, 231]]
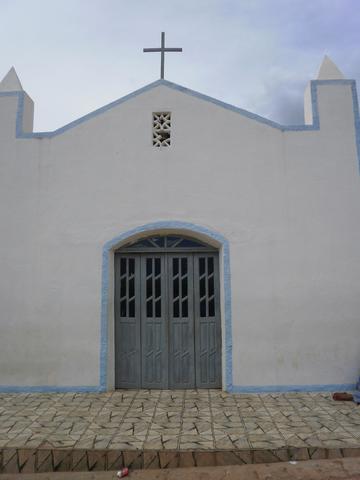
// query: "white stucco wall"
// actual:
[[287, 201]]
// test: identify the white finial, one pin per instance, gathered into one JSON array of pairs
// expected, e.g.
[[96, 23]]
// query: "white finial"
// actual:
[[11, 82], [328, 70]]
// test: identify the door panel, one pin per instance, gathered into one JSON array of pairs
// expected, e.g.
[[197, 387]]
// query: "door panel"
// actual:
[[207, 321], [127, 321], [181, 321], [167, 320], [154, 338]]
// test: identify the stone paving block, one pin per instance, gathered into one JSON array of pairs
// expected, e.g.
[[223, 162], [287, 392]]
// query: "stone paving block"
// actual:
[[282, 454], [196, 446], [96, 460], [317, 453], [10, 461], [43, 461], [26, 460], [224, 457], [79, 461], [224, 444], [115, 460], [85, 443], [169, 459], [270, 456], [151, 459], [186, 459], [133, 459], [298, 454], [61, 460], [334, 453], [351, 452], [205, 459], [246, 456]]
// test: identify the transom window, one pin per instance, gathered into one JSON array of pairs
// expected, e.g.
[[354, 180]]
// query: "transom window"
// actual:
[[166, 243], [161, 129]]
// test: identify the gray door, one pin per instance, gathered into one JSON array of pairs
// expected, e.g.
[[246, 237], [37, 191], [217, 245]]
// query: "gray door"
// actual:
[[207, 325], [181, 321], [153, 320], [127, 325], [167, 317]]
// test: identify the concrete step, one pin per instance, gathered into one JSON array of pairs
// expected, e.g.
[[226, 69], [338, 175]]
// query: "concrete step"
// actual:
[[339, 469]]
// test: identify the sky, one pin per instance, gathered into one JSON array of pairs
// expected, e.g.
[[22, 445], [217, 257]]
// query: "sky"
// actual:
[[74, 56]]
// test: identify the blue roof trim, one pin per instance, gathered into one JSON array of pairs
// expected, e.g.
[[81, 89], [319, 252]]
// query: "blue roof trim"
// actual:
[[59, 131], [253, 116]]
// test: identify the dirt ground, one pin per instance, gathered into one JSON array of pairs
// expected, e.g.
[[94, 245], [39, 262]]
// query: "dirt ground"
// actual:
[[339, 469]]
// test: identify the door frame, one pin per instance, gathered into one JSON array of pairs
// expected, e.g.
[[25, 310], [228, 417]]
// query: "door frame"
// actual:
[[204, 234]]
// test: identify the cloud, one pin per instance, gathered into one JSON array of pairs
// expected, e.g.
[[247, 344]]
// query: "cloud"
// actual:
[[73, 57]]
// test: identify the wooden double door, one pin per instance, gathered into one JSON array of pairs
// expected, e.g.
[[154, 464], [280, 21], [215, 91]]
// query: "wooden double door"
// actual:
[[167, 320]]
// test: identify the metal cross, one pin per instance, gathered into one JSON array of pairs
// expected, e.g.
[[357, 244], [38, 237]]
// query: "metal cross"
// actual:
[[162, 49]]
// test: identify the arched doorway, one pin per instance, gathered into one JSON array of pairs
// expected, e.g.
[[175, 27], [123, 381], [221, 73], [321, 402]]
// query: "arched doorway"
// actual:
[[167, 314]]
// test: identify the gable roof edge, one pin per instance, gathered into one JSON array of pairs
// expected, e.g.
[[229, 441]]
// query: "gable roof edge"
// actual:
[[185, 90], [146, 88]]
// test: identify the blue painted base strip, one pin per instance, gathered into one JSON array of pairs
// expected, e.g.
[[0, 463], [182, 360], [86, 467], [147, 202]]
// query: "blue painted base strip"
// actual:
[[235, 389], [50, 389], [341, 387]]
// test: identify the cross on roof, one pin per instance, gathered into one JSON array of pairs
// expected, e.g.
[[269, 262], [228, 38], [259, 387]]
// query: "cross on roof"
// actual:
[[162, 49]]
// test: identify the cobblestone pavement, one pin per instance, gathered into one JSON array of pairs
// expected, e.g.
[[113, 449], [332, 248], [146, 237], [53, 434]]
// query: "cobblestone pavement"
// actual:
[[185, 420]]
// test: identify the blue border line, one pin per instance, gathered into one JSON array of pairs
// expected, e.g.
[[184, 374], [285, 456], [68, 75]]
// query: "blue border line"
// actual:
[[49, 389], [293, 388], [234, 389], [168, 225]]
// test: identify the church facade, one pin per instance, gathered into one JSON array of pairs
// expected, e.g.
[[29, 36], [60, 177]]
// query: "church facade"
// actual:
[[170, 240]]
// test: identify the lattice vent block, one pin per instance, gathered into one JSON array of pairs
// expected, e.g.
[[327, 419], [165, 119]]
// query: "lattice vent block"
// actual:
[[161, 129]]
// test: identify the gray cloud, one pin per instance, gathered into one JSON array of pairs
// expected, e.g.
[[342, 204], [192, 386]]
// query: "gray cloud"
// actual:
[[75, 55]]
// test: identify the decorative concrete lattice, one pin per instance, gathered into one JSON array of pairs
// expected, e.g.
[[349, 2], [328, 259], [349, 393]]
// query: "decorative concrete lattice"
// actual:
[[161, 129]]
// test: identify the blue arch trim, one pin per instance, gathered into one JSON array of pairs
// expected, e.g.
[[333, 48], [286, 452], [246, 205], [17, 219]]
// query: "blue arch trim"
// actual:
[[168, 225]]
